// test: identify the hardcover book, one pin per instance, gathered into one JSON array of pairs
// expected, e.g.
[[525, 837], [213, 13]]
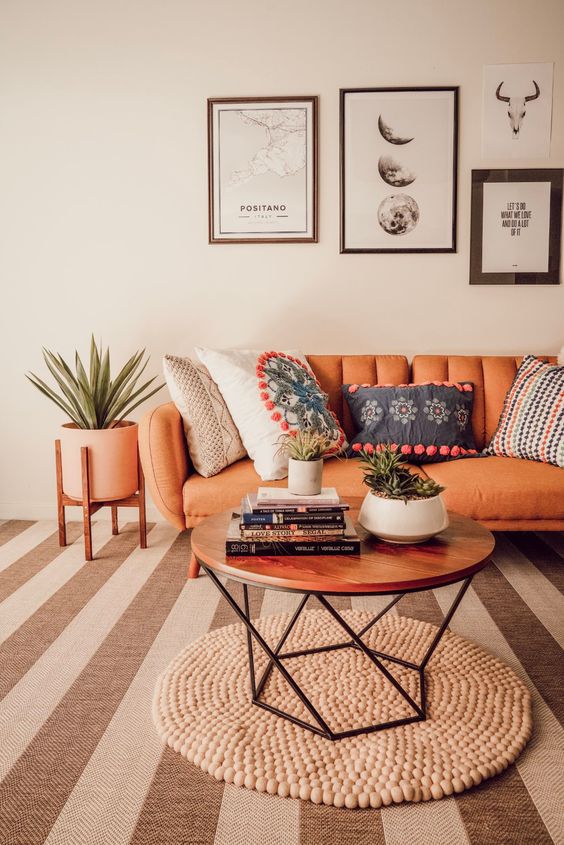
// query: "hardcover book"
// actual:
[[251, 506], [277, 532], [281, 496], [237, 546], [270, 518]]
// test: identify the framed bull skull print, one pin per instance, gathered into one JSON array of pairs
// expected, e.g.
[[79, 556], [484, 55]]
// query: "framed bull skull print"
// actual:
[[399, 169], [516, 224], [517, 111]]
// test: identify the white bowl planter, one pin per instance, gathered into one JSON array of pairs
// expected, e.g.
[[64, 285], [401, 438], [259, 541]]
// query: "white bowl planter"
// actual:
[[403, 522], [304, 477]]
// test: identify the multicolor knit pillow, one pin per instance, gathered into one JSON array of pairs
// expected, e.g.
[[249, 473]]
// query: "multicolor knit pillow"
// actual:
[[531, 424], [427, 422]]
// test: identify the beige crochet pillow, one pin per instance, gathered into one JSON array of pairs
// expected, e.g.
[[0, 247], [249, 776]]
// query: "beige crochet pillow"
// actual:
[[213, 439]]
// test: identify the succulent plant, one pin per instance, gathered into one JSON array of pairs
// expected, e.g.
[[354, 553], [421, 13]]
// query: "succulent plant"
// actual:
[[306, 444], [386, 474], [95, 400]]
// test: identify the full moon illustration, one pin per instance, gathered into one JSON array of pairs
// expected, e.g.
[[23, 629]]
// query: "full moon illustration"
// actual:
[[388, 133], [394, 173], [398, 214]]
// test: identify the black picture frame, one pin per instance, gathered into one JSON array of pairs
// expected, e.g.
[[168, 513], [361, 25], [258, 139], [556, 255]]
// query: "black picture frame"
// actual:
[[479, 179], [311, 193], [451, 247]]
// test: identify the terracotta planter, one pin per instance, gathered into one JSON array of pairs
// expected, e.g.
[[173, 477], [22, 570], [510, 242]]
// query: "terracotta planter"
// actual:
[[304, 477], [403, 522], [112, 454]]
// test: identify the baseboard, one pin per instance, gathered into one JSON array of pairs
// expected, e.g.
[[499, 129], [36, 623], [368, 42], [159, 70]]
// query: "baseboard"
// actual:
[[38, 510]]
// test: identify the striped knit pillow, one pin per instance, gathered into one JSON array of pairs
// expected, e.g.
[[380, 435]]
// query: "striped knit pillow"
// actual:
[[531, 424]]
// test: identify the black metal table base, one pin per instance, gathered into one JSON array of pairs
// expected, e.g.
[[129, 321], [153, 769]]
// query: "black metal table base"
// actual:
[[276, 658]]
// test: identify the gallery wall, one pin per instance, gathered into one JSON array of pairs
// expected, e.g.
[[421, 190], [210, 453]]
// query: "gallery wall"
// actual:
[[104, 190]]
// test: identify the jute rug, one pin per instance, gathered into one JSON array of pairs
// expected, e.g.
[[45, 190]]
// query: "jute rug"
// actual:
[[479, 714]]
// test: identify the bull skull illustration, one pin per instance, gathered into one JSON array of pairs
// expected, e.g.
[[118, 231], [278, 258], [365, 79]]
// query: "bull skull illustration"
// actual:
[[517, 109]]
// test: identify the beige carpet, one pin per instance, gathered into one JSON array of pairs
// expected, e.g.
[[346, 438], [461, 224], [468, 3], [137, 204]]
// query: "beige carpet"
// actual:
[[478, 712], [81, 647]]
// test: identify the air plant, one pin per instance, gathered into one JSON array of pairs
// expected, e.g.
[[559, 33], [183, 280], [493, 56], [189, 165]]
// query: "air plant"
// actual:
[[306, 444], [386, 475], [95, 400]]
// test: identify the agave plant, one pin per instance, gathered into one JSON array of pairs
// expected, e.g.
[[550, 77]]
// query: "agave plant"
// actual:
[[306, 444], [94, 400], [386, 474]]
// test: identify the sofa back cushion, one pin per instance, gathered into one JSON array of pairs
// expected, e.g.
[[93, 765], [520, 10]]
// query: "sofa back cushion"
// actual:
[[491, 376]]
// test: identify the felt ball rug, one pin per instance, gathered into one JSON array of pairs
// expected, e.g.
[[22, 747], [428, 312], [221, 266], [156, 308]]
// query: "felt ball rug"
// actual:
[[478, 713]]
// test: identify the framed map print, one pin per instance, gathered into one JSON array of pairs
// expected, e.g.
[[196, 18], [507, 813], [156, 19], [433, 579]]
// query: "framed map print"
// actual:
[[398, 169], [515, 230], [262, 160]]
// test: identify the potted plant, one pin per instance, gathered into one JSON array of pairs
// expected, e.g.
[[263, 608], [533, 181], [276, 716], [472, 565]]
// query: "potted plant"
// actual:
[[305, 449], [400, 507], [98, 406]]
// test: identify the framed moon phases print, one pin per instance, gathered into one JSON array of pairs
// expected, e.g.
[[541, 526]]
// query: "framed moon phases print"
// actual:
[[262, 170], [399, 151]]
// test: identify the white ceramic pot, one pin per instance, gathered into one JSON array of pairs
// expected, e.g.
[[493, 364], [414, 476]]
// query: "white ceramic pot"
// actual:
[[403, 522], [112, 461], [304, 477]]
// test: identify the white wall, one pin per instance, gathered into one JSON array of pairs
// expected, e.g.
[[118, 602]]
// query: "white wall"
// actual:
[[103, 192]]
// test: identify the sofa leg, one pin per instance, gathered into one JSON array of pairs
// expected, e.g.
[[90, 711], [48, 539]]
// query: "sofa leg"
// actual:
[[193, 567]]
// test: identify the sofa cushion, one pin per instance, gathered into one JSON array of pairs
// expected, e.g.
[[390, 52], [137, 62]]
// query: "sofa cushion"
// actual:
[[531, 424], [491, 376], [204, 496], [212, 437], [496, 488], [430, 422], [268, 394]]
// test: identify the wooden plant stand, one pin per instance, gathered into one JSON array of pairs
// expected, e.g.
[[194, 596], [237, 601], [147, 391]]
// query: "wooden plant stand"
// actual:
[[137, 500]]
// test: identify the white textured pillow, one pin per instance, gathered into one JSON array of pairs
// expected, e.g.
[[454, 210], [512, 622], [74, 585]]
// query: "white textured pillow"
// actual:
[[269, 393], [213, 439]]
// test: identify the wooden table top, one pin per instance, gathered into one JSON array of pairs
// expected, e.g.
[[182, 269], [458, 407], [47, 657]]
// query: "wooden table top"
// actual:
[[463, 549]]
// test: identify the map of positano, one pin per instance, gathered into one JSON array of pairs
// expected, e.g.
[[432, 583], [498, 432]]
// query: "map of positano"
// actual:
[[284, 150]]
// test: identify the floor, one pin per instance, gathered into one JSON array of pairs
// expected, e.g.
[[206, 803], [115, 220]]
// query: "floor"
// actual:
[[81, 645]]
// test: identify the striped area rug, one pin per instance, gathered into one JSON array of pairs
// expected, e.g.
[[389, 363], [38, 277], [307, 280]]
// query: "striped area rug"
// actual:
[[81, 645]]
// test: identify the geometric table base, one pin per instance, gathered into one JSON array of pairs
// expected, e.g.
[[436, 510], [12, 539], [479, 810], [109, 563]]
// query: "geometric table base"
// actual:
[[478, 713], [277, 655]]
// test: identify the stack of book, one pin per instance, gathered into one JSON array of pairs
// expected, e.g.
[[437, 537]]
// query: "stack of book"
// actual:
[[275, 522]]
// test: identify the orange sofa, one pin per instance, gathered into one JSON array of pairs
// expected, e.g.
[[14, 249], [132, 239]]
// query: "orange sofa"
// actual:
[[502, 493]]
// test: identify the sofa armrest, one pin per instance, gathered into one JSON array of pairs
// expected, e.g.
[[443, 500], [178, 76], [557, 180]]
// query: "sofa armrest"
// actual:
[[165, 462]]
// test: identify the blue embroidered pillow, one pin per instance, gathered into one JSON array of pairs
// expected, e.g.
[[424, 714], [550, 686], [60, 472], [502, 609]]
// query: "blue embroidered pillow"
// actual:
[[428, 422]]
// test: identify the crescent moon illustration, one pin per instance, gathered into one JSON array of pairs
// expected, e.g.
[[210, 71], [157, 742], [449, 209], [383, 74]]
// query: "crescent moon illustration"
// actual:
[[398, 214], [389, 135], [394, 173]]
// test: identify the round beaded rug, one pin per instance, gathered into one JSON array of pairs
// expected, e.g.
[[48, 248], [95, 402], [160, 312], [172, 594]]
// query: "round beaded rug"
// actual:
[[478, 713]]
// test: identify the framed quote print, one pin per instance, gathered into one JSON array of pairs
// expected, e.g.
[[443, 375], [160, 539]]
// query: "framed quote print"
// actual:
[[515, 229], [399, 169], [262, 160]]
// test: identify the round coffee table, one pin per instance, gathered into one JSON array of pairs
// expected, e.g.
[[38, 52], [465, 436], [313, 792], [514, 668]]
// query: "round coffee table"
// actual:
[[380, 569]]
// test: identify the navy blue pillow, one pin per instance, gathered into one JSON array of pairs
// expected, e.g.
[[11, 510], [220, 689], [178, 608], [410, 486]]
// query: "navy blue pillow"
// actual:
[[429, 422]]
